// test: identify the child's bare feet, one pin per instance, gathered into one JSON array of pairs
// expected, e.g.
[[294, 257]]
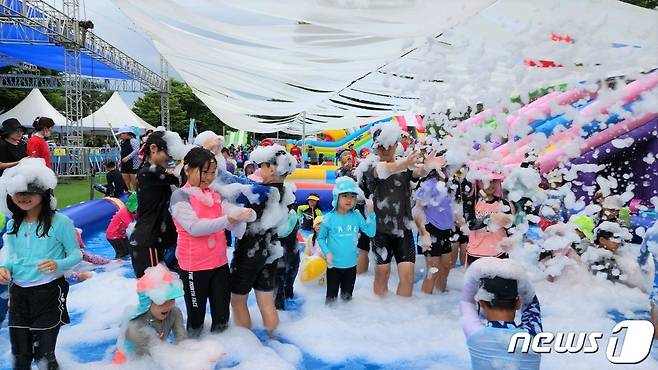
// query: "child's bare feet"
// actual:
[[85, 275]]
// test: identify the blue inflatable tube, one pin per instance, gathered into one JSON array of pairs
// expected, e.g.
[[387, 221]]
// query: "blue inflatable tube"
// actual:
[[93, 211]]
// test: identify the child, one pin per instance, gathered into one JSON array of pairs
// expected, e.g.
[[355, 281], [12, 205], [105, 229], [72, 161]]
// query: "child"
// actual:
[[338, 237], [156, 316], [610, 207], [308, 212], [115, 185], [500, 288], [37, 147], [346, 165], [488, 219], [389, 183], [116, 230], [200, 222], [75, 276], [312, 246], [604, 260], [557, 251], [585, 230], [154, 231], [40, 246], [435, 228], [254, 259]]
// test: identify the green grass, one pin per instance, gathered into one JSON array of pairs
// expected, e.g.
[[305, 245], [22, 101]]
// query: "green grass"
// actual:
[[73, 191]]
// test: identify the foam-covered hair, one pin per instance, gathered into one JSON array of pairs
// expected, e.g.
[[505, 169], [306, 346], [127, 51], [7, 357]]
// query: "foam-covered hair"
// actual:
[[175, 146], [385, 135], [28, 174], [275, 154], [490, 267]]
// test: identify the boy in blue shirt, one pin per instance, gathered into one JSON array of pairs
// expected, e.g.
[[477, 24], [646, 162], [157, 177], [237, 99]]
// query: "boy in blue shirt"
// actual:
[[500, 288], [339, 235]]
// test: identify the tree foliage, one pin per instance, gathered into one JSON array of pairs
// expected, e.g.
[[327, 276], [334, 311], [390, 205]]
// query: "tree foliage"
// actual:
[[183, 105]]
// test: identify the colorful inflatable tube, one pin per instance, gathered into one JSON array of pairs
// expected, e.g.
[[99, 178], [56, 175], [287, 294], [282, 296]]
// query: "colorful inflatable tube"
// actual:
[[93, 211]]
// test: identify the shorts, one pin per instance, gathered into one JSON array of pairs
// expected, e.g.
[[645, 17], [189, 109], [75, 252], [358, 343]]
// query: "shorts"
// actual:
[[128, 168], [251, 272], [441, 243], [387, 246], [458, 236], [364, 242], [470, 259], [39, 307]]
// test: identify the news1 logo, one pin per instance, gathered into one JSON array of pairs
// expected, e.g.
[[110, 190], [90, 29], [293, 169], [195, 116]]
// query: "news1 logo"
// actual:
[[633, 349]]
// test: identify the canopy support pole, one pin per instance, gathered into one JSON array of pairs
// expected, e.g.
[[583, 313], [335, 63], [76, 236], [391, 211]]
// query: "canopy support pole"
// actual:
[[303, 138]]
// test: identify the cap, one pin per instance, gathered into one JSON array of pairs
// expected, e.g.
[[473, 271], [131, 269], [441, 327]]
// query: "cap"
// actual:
[[501, 288], [313, 196], [131, 203]]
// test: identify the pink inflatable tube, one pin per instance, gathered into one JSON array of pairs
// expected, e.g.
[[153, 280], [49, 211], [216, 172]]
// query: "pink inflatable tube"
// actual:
[[631, 92], [541, 107], [551, 160]]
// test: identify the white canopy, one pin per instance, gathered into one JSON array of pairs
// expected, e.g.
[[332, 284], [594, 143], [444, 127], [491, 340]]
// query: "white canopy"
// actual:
[[34, 105], [114, 114], [272, 65]]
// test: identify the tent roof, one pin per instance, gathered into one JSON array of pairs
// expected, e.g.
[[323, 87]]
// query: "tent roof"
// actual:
[[114, 114], [331, 64], [34, 105]]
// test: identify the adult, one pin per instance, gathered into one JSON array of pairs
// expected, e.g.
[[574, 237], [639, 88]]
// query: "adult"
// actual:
[[37, 146], [12, 147], [129, 160], [307, 213], [312, 155]]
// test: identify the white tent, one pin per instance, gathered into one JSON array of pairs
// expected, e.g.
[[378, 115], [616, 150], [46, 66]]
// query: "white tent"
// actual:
[[114, 114], [34, 105], [273, 65]]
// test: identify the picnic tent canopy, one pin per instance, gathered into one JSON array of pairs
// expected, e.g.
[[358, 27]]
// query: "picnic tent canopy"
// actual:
[[114, 114]]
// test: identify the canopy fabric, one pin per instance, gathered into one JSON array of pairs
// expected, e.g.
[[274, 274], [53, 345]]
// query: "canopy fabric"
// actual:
[[114, 114], [336, 64], [34, 105]]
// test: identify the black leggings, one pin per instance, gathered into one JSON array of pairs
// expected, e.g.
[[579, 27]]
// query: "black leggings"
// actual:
[[287, 268], [38, 345], [143, 258], [201, 287], [342, 279]]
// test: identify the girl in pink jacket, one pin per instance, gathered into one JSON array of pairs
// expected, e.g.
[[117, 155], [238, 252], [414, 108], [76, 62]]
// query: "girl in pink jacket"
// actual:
[[201, 249], [116, 230]]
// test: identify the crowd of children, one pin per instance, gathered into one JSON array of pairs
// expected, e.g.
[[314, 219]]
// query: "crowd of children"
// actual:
[[398, 202]]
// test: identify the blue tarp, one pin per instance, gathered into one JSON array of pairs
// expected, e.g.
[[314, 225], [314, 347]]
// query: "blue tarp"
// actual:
[[28, 45]]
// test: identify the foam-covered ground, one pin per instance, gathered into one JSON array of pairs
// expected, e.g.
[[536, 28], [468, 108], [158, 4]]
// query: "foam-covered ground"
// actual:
[[367, 333]]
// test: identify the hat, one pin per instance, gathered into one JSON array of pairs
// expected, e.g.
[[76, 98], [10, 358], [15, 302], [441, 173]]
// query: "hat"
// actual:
[[204, 137], [158, 285], [131, 203], [583, 224], [500, 288], [249, 163], [313, 196], [345, 184], [612, 202], [125, 130], [11, 125]]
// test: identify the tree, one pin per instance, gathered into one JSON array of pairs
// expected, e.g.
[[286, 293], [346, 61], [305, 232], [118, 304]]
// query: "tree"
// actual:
[[183, 105], [651, 4]]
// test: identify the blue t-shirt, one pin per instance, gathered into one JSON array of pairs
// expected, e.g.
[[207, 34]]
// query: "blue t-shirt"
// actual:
[[339, 234]]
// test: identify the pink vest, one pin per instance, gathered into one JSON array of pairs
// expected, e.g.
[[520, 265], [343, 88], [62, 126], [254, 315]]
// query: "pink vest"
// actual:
[[202, 252], [483, 243]]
